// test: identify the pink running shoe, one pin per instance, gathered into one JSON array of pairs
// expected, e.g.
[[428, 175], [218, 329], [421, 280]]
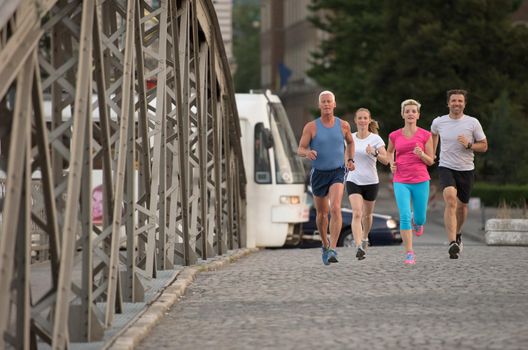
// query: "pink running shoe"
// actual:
[[410, 258], [417, 229]]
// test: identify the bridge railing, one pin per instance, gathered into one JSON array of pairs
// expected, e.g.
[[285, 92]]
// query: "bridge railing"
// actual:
[[134, 98]]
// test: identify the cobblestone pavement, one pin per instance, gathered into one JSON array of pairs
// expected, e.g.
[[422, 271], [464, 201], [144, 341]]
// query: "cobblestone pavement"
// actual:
[[287, 299]]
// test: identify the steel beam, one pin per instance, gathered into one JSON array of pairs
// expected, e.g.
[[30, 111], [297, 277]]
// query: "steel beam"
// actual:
[[138, 99]]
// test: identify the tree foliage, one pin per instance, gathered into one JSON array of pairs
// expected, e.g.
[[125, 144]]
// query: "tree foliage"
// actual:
[[379, 53], [246, 44]]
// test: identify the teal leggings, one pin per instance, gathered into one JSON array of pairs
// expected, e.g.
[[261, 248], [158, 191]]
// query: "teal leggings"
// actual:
[[419, 194]]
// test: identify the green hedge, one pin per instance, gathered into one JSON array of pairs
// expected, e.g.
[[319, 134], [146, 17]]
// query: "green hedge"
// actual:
[[493, 195]]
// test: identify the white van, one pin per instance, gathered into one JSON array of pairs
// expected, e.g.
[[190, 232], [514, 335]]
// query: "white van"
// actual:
[[276, 203]]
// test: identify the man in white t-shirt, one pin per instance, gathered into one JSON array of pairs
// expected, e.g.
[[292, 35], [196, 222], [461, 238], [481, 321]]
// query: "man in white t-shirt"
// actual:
[[460, 136]]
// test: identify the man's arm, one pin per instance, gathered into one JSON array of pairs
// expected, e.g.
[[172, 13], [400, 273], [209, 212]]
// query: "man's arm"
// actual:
[[481, 142], [480, 146], [304, 144], [350, 151], [477, 146], [435, 143]]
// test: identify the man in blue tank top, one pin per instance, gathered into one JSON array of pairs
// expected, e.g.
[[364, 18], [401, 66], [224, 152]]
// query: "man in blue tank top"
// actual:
[[323, 142]]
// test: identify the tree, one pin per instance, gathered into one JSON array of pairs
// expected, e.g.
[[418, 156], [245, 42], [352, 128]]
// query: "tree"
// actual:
[[246, 44], [344, 62], [379, 53], [506, 158]]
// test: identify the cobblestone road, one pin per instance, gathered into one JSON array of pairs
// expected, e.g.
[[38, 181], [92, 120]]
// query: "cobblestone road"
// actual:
[[287, 299]]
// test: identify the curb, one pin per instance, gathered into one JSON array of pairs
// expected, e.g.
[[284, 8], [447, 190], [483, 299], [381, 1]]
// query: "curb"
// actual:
[[140, 327], [496, 238], [507, 232]]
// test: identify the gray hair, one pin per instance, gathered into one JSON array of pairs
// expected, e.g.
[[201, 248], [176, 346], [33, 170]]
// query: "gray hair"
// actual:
[[326, 92]]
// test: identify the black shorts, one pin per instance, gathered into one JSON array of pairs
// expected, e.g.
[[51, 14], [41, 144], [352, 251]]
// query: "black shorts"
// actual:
[[321, 180], [461, 180], [368, 192]]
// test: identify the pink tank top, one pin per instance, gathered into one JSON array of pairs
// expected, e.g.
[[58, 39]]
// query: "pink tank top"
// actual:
[[410, 168]]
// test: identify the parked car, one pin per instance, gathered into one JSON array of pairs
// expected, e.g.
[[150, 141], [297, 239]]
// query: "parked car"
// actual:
[[385, 229]]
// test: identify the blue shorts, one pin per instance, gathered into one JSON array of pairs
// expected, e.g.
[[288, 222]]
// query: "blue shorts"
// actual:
[[321, 180]]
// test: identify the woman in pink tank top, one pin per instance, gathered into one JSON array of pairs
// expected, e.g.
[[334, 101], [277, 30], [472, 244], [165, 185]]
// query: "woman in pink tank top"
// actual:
[[414, 152]]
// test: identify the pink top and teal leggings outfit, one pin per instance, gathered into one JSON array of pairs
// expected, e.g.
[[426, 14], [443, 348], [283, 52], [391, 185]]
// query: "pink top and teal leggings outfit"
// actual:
[[411, 179]]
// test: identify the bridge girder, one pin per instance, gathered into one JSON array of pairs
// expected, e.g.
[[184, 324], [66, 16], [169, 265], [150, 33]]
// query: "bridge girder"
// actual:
[[135, 99]]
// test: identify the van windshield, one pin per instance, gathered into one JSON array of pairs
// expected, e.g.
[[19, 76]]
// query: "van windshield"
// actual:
[[288, 166]]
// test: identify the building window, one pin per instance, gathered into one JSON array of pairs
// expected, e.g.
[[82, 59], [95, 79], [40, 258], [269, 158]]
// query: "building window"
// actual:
[[262, 156]]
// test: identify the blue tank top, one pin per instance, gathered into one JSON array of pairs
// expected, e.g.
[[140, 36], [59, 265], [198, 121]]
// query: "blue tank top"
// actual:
[[330, 146]]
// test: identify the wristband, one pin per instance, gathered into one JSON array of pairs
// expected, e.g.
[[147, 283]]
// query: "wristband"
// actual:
[[351, 159], [469, 145], [376, 153]]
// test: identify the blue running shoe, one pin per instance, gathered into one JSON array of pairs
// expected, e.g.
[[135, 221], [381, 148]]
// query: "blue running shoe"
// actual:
[[332, 256], [325, 256]]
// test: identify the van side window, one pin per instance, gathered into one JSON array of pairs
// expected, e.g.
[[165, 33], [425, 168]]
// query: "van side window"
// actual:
[[262, 157]]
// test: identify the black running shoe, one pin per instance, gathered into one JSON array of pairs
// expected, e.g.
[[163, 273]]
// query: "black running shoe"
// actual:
[[454, 250], [360, 255]]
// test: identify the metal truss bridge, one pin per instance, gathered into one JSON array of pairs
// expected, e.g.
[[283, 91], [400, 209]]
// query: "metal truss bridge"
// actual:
[[120, 156]]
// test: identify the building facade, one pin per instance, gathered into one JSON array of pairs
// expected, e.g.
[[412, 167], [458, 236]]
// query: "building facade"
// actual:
[[287, 39], [520, 17]]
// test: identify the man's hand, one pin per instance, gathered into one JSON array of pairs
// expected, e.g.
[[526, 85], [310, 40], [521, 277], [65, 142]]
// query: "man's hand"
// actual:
[[350, 165], [463, 140], [311, 154]]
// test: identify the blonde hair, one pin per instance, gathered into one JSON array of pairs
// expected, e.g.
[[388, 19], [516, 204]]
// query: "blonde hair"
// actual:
[[410, 102], [373, 126]]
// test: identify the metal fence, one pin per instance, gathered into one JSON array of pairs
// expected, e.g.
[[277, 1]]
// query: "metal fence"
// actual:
[[134, 99]]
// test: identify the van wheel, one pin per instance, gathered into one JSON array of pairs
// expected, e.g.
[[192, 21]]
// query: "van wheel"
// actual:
[[346, 239]]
